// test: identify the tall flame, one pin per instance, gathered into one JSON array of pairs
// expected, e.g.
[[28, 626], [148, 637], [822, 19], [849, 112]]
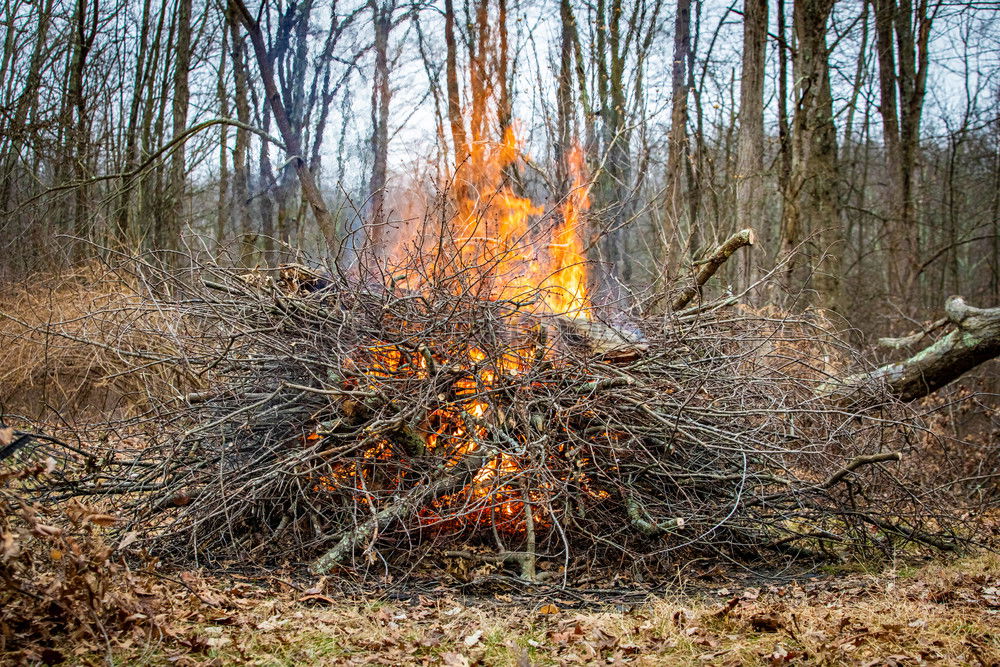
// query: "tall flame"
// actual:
[[567, 282], [508, 245], [498, 245]]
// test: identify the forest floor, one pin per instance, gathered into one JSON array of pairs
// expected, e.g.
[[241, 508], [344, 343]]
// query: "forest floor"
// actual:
[[940, 613]]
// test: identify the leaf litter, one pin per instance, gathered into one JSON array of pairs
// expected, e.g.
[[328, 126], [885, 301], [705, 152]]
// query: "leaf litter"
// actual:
[[940, 614]]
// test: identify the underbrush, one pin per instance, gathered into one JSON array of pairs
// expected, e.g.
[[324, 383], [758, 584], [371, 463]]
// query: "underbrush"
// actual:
[[88, 343]]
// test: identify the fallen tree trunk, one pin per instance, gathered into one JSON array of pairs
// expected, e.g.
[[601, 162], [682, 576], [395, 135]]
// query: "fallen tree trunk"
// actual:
[[974, 340]]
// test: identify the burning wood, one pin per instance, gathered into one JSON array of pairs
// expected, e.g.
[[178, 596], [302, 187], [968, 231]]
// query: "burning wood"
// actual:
[[464, 393], [356, 425]]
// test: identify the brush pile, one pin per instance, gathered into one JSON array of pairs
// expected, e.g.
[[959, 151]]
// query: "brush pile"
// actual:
[[359, 426]]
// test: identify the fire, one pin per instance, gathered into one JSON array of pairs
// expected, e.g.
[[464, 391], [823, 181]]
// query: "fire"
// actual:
[[567, 282], [502, 246], [511, 246]]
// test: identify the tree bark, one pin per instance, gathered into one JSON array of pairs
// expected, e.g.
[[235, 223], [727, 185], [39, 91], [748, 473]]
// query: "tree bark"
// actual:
[[813, 211], [451, 82], [612, 191], [170, 230], [564, 100], [678, 126], [375, 225], [83, 41], [902, 87], [750, 149], [240, 212]]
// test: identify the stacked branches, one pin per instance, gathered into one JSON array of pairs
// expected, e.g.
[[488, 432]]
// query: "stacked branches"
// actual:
[[353, 424]]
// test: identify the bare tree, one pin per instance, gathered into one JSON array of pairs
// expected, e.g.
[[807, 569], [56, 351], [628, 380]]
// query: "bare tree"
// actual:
[[375, 237], [813, 211], [293, 146], [902, 86], [678, 127]]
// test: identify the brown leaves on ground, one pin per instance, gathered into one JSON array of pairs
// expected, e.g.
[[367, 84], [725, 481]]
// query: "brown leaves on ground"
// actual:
[[941, 614], [58, 580]]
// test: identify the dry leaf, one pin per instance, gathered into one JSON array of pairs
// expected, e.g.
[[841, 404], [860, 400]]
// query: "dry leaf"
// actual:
[[316, 588], [473, 639], [766, 622], [127, 541], [46, 530], [454, 660], [51, 656], [6, 435], [9, 547], [104, 520]]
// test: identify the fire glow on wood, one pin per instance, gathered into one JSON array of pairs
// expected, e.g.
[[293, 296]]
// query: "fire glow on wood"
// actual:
[[495, 233]]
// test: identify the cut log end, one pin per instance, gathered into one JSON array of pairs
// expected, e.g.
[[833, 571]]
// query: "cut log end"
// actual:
[[741, 239]]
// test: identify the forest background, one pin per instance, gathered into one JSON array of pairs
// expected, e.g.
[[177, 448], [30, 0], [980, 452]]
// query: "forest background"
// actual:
[[864, 136]]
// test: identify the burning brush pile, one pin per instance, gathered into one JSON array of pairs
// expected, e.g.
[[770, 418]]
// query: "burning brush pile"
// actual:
[[358, 427], [467, 399], [470, 401]]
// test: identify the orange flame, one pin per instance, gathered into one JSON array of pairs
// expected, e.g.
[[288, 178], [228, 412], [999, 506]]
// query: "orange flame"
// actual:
[[511, 248], [507, 243], [567, 283]]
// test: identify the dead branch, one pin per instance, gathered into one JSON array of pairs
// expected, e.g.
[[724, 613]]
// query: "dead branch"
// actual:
[[448, 479], [417, 421], [974, 341], [914, 338], [859, 461], [740, 239]]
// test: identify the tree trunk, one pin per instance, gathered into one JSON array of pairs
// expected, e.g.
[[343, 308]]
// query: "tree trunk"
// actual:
[[83, 40], [612, 188], [784, 142], [222, 215], [902, 85], [678, 127], [310, 190], [451, 81], [564, 100], [170, 229], [375, 225], [750, 149], [813, 211], [240, 213]]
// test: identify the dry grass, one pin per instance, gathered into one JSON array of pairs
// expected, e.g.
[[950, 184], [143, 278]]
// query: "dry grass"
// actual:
[[941, 613], [85, 343]]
